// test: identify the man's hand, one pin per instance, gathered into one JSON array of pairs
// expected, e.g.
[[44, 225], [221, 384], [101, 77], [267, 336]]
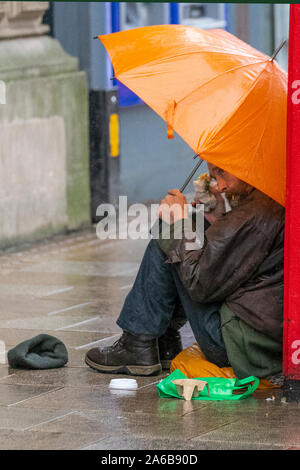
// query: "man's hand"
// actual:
[[173, 207]]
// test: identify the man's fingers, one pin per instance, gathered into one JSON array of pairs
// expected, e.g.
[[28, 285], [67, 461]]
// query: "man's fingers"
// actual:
[[167, 200], [174, 192], [164, 203], [174, 196]]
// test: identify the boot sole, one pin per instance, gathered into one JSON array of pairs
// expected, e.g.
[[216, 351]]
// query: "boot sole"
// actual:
[[129, 370]]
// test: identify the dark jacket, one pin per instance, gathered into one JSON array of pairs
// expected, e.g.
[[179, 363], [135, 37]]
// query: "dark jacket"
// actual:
[[241, 262]]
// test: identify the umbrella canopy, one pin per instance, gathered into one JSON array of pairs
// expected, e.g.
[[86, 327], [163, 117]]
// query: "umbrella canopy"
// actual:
[[224, 98]]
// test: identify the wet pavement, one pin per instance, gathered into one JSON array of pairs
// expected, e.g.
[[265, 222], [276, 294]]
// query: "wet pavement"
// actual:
[[73, 287]]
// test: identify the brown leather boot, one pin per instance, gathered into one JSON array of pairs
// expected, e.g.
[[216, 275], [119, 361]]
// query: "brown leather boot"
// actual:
[[130, 354]]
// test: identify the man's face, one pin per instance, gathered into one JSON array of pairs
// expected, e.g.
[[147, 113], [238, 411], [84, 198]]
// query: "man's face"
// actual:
[[227, 183]]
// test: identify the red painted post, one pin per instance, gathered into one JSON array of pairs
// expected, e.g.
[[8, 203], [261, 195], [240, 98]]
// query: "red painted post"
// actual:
[[291, 324]]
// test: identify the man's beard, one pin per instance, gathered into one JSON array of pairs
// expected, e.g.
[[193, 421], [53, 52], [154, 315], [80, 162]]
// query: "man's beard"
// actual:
[[235, 199]]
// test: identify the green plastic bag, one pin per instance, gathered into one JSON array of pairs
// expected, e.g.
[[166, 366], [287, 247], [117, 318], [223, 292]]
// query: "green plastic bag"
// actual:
[[219, 388]]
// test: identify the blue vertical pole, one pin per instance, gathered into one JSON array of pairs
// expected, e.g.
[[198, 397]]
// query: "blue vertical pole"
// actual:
[[174, 13], [108, 30], [115, 24], [115, 17]]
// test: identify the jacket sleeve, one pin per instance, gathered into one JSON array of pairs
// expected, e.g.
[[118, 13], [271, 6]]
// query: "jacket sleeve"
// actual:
[[232, 251]]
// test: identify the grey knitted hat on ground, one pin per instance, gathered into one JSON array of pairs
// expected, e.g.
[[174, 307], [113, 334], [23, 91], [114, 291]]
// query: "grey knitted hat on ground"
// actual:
[[41, 352]]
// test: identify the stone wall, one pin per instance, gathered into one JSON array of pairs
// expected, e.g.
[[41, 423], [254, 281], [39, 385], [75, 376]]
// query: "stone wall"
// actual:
[[44, 157]]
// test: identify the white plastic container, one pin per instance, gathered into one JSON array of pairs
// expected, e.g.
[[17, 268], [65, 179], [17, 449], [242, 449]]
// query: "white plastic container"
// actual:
[[123, 384]]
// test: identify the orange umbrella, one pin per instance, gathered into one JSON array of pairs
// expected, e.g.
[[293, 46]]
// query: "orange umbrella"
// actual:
[[224, 98]]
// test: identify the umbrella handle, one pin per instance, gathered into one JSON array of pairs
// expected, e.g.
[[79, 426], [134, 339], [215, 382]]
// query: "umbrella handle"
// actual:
[[191, 175]]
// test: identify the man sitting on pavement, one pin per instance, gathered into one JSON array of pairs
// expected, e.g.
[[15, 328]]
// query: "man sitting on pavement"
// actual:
[[230, 290]]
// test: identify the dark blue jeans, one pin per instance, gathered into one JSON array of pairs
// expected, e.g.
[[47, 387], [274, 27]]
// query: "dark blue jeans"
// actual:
[[158, 298]]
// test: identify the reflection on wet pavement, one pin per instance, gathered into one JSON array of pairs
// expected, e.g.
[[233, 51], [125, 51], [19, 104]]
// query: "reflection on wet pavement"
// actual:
[[73, 287]]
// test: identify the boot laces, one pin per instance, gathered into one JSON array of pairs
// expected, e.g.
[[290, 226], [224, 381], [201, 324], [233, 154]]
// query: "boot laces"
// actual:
[[117, 344]]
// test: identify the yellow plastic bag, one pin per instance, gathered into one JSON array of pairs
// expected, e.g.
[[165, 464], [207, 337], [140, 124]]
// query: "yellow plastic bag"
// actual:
[[192, 363]]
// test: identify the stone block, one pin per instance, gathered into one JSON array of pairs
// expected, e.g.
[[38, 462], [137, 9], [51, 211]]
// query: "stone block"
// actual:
[[44, 154]]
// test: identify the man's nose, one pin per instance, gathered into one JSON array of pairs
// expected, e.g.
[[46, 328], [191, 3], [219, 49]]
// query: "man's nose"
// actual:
[[221, 185]]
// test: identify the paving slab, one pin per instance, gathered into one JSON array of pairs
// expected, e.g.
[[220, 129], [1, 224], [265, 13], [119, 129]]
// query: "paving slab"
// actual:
[[137, 443], [71, 377], [92, 322], [4, 372], [34, 440], [18, 419], [86, 268], [12, 395], [141, 401], [70, 338], [137, 425]]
